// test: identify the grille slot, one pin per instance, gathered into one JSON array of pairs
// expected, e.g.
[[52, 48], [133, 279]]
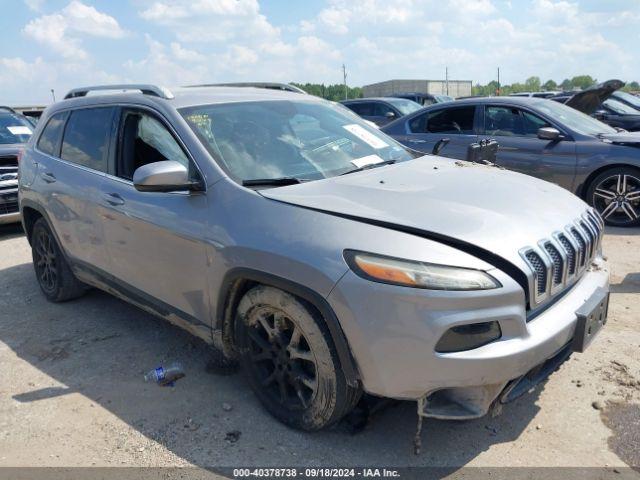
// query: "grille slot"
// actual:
[[558, 264], [582, 246], [540, 270], [8, 207], [570, 251], [591, 238]]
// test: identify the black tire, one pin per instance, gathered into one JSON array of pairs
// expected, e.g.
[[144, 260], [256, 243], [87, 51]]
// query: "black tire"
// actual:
[[615, 194], [290, 361], [56, 280]]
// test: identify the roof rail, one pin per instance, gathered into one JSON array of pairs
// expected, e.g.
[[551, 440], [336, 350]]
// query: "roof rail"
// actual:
[[8, 109], [146, 89], [268, 85]]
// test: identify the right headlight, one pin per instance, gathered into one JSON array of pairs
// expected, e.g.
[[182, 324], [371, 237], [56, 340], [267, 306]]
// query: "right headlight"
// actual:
[[395, 271]]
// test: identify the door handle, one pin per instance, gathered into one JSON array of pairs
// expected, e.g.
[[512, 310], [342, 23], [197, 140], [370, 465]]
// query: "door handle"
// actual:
[[48, 177], [113, 199], [417, 141]]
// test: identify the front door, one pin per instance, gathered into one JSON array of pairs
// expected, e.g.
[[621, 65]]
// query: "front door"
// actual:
[[520, 149], [155, 238]]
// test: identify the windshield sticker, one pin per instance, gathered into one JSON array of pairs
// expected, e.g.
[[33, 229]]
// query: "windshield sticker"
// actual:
[[367, 137], [20, 130], [368, 160]]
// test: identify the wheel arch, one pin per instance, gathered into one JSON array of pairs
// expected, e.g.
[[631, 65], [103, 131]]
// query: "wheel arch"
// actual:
[[31, 212], [238, 281], [584, 187]]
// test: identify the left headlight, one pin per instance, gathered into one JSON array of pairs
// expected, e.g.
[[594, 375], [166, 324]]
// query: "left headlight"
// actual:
[[396, 271]]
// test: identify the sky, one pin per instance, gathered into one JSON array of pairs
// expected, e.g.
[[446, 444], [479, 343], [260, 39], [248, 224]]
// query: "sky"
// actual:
[[61, 44]]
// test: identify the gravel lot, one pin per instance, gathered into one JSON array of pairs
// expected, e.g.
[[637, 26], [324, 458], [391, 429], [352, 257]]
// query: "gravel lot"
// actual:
[[73, 394]]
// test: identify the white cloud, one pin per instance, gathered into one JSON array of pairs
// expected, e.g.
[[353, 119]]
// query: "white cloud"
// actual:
[[35, 5], [60, 31]]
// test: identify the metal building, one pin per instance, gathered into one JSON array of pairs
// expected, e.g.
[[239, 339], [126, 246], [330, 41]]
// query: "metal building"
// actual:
[[453, 88]]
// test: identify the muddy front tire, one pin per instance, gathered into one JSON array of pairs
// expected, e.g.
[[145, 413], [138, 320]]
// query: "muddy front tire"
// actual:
[[289, 358]]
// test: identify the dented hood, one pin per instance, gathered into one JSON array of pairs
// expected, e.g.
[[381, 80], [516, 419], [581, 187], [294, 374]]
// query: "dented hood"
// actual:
[[494, 209], [590, 100]]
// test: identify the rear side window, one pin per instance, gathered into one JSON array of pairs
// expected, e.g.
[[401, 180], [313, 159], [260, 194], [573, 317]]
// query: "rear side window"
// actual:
[[86, 137], [451, 120], [362, 109], [49, 141]]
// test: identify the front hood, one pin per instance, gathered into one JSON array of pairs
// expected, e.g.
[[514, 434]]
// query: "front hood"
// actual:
[[589, 100], [623, 138], [487, 207]]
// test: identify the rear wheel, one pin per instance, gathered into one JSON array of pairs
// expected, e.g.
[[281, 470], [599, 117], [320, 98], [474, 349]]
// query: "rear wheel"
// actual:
[[289, 358], [57, 281], [615, 193]]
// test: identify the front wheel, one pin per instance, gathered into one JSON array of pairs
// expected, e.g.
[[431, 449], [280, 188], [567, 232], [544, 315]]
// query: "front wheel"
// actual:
[[615, 194], [289, 358], [56, 280]]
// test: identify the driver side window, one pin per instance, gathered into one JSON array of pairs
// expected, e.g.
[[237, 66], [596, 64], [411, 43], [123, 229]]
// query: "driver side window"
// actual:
[[144, 140]]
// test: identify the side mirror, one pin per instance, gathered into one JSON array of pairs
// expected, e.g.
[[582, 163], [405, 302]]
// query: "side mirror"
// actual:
[[390, 115], [549, 133], [167, 176]]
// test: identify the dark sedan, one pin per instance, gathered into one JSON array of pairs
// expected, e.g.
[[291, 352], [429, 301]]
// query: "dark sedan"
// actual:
[[381, 110], [541, 138]]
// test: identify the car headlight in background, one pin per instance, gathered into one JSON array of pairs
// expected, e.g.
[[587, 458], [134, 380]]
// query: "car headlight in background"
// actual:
[[408, 273]]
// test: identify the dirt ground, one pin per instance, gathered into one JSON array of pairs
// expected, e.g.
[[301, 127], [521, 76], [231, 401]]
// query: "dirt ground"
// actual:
[[72, 394]]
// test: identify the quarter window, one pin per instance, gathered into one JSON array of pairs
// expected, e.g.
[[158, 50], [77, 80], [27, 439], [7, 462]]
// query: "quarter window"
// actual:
[[86, 137], [49, 141]]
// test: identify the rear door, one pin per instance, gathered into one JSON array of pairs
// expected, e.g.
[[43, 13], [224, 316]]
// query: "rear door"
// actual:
[[453, 125], [154, 239], [519, 148], [73, 154]]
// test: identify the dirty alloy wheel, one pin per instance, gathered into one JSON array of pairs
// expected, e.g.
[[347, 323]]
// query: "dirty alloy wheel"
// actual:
[[615, 194], [290, 361], [56, 280]]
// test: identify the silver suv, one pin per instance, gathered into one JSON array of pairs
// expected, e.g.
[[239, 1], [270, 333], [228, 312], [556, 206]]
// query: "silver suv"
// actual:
[[312, 249]]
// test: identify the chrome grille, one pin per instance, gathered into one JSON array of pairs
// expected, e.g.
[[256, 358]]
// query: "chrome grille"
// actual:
[[558, 261]]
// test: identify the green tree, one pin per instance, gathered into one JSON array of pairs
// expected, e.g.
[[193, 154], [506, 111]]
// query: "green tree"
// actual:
[[550, 85], [583, 81], [633, 86], [532, 84], [330, 92], [566, 85]]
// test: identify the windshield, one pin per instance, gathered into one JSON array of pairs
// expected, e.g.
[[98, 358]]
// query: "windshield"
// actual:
[[306, 140], [627, 98], [619, 107], [14, 129], [573, 119], [405, 106]]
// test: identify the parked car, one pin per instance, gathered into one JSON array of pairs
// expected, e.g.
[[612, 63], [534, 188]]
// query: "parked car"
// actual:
[[604, 103], [548, 94], [15, 131], [541, 138], [268, 85], [313, 249], [424, 99], [381, 110], [626, 98]]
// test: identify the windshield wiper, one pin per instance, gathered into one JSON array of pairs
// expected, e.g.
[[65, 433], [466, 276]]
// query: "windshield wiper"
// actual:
[[279, 181], [370, 166]]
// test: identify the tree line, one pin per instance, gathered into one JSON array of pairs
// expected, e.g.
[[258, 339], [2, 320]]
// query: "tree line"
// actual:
[[336, 92], [534, 84]]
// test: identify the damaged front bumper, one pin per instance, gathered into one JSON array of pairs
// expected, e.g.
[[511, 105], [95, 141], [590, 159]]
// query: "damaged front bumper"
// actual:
[[394, 332]]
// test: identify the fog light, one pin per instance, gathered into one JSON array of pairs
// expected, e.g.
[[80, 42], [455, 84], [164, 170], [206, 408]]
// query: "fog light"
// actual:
[[468, 337]]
